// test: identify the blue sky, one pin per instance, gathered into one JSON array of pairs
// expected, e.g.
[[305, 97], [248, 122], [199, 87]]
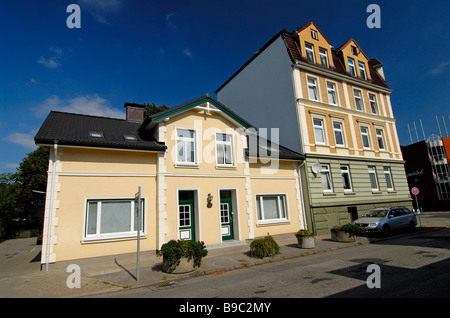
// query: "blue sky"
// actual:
[[174, 51]]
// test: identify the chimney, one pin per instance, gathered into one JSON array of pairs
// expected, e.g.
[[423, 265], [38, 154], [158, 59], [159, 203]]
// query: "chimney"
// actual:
[[135, 112]]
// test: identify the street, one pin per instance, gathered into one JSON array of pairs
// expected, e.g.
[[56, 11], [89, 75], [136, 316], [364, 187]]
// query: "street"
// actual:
[[410, 266]]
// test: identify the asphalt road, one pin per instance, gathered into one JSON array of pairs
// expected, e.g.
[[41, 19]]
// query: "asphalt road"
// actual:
[[409, 266]]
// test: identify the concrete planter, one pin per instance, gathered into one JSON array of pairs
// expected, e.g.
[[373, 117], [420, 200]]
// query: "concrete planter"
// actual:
[[341, 236], [185, 266], [306, 241]]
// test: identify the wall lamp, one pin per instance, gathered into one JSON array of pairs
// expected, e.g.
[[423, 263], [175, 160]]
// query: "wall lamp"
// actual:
[[209, 199]]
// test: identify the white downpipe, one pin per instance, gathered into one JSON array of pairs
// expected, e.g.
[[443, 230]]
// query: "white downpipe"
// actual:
[[50, 211]]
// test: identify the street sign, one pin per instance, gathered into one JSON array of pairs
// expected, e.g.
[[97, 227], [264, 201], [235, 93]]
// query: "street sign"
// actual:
[[415, 191]]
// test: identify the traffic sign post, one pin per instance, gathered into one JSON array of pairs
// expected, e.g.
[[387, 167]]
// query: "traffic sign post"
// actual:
[[415, 192]]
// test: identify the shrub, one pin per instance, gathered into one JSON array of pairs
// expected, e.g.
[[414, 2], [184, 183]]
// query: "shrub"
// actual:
[[173, 251], [350, 229], [264, 247], [304, 233]]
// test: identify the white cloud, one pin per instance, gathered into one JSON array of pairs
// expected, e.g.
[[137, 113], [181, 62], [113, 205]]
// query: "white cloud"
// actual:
[[101, 9], [24, 140], [439, 68], [170, 20], [87, 104], [54, 61]]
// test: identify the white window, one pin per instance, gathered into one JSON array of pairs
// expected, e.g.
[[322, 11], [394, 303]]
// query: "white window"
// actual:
[[388, 177], [346, 179], [325, 175], [224, 150], [323, 57], [271, 208], [373, 103], [319, 130], [112, 218], [338, 133], [186, 146], [351, 66], [358, 100], [332, 96], [362, 70], [380, 139], [310, 52], [314, 34], [312, 89], [373, 178], [365, 137]]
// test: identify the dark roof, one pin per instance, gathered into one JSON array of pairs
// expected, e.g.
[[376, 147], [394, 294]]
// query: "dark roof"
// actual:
[[76, 129], [268, 149], [295, 54]]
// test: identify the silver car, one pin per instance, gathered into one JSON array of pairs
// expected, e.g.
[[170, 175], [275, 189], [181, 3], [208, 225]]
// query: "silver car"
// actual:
[[386, 219]]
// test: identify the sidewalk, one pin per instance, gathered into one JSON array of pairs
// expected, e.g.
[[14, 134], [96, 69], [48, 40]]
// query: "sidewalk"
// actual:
[[115, 273]]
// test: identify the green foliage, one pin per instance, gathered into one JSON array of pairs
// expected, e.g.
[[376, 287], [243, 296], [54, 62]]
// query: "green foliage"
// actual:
[[304, 233], [152, 108], [350, 229], [174, 250], [264, 247], [20, 207]]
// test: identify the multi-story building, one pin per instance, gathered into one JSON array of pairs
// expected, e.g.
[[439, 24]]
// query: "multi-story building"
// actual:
[[333, 105], [427, 168]]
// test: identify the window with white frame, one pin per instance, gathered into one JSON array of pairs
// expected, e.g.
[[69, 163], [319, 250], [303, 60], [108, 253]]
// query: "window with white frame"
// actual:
[[388, 177], [332, 96], [312, 89], [271, 208], [362, 69], [346, 179], [373, 178], [319, 132], [338, 133], [310, 52], [373, 103], [323, 57], [314, 34], [358, 100], [112, 218], [325, 175], [224, 149], [186, 146], [365, 137], [380, 139], [351, 66]]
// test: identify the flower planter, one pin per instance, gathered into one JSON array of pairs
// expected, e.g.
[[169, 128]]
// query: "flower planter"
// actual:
[[306, 241], [185, 266], [341, 236]]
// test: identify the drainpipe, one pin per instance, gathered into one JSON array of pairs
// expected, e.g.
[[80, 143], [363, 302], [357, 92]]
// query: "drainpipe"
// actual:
[[50, 213], [301, 192]]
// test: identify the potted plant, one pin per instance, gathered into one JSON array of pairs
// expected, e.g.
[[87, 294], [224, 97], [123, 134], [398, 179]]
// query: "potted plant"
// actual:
[[182, 256], [305, 239], [345, 233]]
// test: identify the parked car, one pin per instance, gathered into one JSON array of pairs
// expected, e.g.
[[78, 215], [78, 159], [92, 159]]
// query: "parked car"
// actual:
[[386, 219], [39, 238]]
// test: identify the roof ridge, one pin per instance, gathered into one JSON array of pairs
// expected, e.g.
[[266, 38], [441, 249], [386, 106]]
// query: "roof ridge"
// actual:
[[86, 115]]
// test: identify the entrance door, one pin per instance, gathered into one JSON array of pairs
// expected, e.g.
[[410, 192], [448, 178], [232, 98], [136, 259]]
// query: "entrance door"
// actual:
[[186, 225], [226, 216]]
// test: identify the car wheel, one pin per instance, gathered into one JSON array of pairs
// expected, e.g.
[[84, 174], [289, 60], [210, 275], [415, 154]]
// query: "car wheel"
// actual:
[[386, 230], [412, 226]]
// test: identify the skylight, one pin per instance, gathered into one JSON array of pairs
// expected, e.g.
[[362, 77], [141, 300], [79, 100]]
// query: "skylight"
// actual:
[[96, 134], [130, 137]]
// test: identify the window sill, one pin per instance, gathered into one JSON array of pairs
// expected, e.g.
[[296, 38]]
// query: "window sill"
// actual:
[[226, 167], [349, 193], [273, 222], [329, 193], [112, 239], [187, 165], [376, 192]]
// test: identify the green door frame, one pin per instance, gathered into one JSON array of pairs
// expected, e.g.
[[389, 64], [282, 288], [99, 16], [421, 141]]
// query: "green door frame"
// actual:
[[226, 219], [186, 223]]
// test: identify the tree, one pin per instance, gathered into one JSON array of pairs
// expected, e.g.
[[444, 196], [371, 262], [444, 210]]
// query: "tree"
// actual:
[[20, 207], [152, 108]]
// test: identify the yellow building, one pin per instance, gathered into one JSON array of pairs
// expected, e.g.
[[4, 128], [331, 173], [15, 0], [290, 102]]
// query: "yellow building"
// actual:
[[204, 175], [334, 106]]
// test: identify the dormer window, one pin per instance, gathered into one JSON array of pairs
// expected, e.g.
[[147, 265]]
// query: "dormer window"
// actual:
[[314, 34], [362, 70], [310, 52], [351, 66], [323, 57]]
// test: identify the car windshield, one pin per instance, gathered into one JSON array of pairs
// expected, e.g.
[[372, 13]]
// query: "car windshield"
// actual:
[[376, 213]]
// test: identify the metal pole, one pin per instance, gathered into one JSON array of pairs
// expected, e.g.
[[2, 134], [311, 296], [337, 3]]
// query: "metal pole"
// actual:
[[138, 232], [417, 204], [423, 132], [410, 134]]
